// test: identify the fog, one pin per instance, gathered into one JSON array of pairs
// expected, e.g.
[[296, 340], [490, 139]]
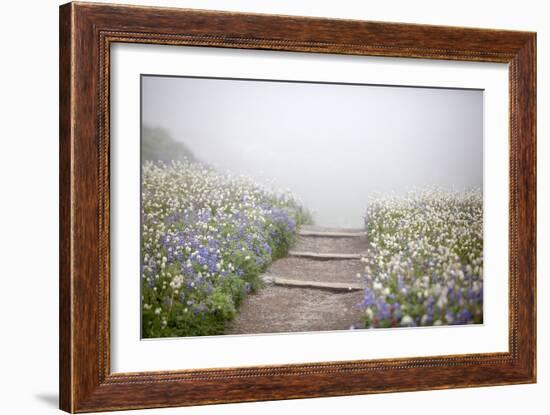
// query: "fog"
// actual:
[[331, 145]]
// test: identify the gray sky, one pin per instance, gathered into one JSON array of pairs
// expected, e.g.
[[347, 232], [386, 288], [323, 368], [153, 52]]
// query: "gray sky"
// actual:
[[331, 145]]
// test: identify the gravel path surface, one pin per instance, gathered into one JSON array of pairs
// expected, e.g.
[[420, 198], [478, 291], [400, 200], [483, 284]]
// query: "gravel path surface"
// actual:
[[276, 309], [313, 270], [279, 309], [323, 245]]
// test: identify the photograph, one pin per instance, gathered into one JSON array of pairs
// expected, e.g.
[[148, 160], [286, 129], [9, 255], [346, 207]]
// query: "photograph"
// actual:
[[284, 206], [260, 204]]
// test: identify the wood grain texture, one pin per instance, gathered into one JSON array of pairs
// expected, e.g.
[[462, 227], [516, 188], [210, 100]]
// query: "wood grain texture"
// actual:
[[65, 246], [86, 33]]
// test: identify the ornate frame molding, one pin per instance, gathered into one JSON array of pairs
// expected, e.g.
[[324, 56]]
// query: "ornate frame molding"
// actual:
[[86, 33]]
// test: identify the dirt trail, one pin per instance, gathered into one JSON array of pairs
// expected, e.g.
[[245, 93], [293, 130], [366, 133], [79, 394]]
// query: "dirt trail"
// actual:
[[334, 288]]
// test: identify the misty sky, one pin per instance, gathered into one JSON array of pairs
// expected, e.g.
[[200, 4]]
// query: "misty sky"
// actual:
[[331, 145]]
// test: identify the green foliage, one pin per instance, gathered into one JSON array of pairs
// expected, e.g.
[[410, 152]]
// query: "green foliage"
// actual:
[[206, 238]]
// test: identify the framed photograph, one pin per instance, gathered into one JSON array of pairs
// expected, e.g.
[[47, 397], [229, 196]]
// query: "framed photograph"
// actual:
[[258, 207]]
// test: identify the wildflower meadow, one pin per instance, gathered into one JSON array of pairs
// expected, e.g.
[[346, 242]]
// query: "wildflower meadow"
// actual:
[[206, 237], [424, 265]]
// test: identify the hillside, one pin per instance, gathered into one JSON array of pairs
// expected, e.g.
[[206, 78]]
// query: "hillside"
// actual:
[[158, 144]]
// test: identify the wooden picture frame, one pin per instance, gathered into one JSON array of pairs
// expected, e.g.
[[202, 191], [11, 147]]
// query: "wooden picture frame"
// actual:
[[86, 33]]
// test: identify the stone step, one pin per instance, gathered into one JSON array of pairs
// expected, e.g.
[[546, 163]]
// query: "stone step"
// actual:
[[321, 285], [327, 234], [323, 256]]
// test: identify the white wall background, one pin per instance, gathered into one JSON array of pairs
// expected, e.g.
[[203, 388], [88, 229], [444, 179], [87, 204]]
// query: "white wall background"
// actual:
[[29, 207]]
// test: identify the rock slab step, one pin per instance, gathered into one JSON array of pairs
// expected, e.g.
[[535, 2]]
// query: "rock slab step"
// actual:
[[320, 285], [323, 256], [326, 234]]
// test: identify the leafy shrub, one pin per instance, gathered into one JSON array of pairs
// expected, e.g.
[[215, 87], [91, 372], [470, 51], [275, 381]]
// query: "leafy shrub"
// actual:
[[425, 260], [206, 237]]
